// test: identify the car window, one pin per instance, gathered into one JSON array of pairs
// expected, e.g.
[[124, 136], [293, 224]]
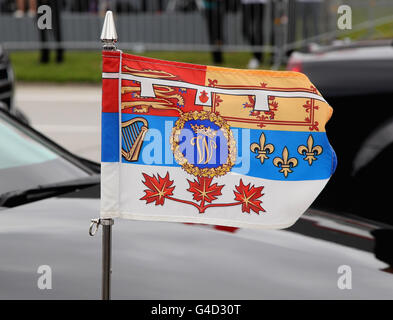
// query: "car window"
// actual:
[[26, 162], [18, 149]]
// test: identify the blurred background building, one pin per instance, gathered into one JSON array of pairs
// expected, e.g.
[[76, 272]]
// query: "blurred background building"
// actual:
[[181, 25]]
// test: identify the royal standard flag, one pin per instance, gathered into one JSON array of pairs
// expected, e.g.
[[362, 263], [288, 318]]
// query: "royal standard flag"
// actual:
[[200, 144]]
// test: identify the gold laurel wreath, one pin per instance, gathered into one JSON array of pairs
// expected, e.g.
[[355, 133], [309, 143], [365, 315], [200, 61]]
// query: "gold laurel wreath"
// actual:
[[227, 132]]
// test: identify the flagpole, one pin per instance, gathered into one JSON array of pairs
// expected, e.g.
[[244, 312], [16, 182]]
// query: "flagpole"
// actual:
[[109, 39], [106, 257]]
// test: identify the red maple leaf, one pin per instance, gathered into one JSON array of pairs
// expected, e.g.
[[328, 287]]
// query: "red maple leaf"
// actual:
[[159, 188], [203, 190], [248, 195]]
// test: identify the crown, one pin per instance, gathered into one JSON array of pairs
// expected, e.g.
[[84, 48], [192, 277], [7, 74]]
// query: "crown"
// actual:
[[204, 130]]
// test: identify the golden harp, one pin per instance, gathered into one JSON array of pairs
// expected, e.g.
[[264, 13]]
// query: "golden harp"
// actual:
[[133, 131]]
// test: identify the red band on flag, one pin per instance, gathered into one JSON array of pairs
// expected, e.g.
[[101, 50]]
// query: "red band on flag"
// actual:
[[110, 95], [110, 61]]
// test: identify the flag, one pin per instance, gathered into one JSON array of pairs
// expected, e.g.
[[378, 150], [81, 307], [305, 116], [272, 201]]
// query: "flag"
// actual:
[[201, 144]]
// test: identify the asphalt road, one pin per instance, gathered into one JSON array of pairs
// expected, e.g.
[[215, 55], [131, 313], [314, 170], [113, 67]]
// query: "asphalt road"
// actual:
[[68, 114]]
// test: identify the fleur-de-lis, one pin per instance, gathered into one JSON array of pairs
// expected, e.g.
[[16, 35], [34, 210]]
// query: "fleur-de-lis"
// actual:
[[285, 163], [310, 151], [262, 149]]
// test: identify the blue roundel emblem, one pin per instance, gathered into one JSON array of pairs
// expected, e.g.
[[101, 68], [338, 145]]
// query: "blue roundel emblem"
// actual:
[[203, 144]]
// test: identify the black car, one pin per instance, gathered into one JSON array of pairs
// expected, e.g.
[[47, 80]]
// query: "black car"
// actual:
[[7, 86], [48, 196], [6, 80], [33, 167], [357, 81]]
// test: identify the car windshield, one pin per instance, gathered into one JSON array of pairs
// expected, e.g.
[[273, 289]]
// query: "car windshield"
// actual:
[[27, 161]]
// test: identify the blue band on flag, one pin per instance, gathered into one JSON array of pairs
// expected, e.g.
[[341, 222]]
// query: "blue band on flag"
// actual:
[[309, 161], [110, 137]]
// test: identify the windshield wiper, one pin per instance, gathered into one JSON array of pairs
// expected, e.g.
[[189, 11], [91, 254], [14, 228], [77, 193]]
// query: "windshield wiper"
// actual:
[[18, 197]]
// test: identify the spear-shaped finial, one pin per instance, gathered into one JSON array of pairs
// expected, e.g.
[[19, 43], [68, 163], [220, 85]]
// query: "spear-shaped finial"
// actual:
[[109, 34]]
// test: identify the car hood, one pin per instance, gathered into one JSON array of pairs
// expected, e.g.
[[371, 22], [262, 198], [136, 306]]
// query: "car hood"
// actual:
[[160, 260]]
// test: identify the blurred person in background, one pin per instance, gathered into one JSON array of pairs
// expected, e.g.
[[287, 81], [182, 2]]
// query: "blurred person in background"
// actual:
[[292, 19], [104, 5], [80, 5], [214, 13], [56, 31], [309, 12], [21, 8], [253, 15], [126, 6], [93, 6]]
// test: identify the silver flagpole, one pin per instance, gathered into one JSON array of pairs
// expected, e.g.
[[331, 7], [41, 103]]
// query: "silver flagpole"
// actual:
[[106, 258], [109, 34], [109, 39], [106, 253]]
